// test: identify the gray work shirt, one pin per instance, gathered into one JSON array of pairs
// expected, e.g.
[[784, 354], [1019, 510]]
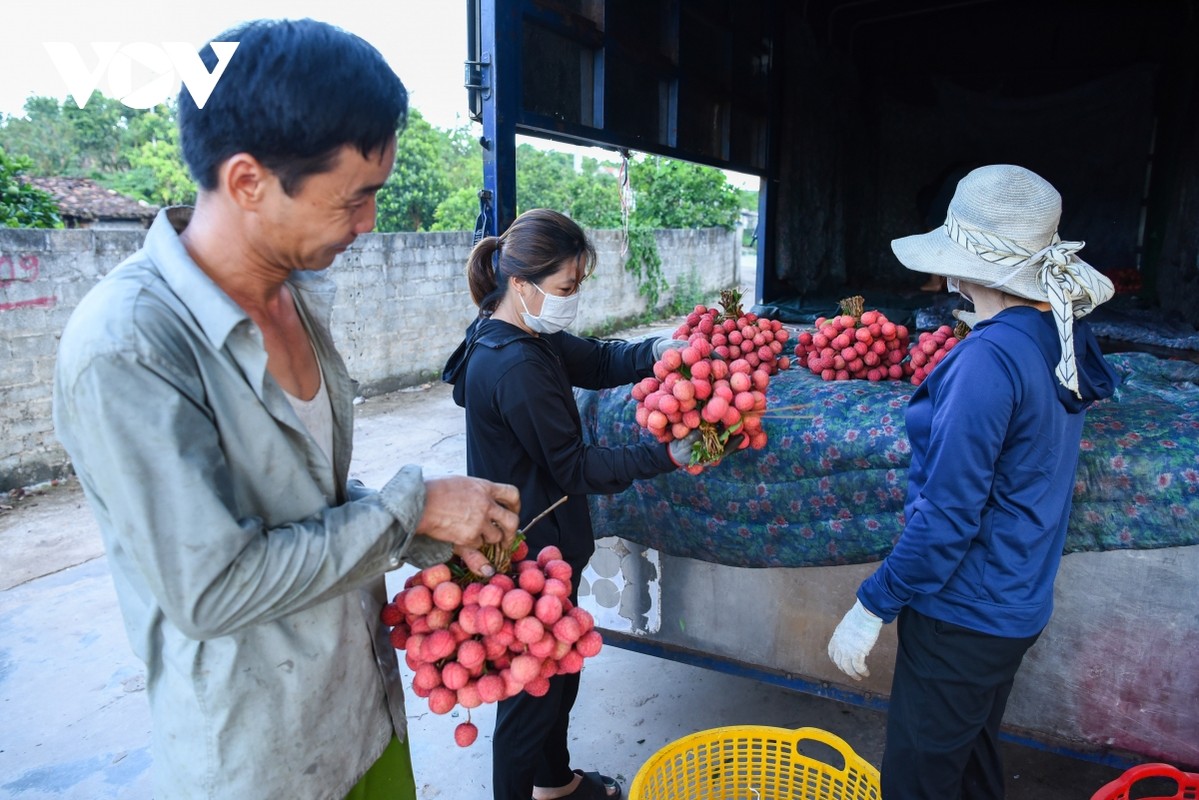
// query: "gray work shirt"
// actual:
[[248, 569]]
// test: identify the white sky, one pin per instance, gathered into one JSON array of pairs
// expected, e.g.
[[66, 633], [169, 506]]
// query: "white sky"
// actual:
[[423, 40]]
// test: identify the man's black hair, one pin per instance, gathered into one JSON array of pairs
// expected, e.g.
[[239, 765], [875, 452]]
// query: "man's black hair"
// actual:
[[293, 94]]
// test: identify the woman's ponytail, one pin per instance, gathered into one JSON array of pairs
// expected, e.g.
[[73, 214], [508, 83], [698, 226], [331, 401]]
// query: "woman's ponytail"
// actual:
[[480, 271]]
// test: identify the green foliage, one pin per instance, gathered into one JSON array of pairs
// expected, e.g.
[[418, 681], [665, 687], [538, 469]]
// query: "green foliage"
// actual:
[[543, 179], [669, 194], [156, 171], [418, 184], [679, 194], [99, 131], [747, 198], [687, 295], [595, 196], [462, 158], [644, 262], [434, 185], [43, 136], [457, 212], [22, 205], [134, 151], [432, 167], [63, 139]]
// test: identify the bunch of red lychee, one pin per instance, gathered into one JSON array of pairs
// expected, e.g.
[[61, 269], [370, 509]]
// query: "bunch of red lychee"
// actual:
[[846, 346], [928, 350], [715, 384], [471, 641], [733, 334]]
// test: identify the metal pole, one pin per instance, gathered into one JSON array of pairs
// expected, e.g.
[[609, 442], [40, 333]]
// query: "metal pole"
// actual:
[[500, 30]]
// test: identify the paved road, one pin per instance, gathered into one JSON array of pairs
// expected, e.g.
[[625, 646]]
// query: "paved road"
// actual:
[[73, 716]]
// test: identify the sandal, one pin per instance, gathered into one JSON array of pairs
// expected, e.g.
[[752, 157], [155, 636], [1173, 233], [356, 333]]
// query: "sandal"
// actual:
[[594, 787]]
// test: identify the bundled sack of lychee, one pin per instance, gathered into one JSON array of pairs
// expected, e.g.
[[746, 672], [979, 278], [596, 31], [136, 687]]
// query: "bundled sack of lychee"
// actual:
[[855, 344], [930, 347], [471, 641], [716, 384]]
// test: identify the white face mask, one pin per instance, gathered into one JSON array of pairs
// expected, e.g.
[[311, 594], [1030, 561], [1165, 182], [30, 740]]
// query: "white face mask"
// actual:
[[557, 313], [951, 285]]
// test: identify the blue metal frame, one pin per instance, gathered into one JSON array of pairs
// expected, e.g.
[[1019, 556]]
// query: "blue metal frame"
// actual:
[[501, 57], [503, 116]]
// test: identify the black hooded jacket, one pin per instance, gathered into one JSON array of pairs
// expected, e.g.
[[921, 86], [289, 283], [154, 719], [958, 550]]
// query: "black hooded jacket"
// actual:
[[523, 426]]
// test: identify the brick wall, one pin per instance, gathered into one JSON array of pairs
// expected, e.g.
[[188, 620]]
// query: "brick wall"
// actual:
[[402, 303]]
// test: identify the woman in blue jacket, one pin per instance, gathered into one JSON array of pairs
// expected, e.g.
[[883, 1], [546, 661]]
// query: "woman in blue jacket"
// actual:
[[514, 375], [995, 432]]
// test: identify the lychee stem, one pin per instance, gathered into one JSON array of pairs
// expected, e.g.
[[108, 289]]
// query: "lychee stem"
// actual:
[[730, 301], [501, 557], [854, 306], [710, 439]]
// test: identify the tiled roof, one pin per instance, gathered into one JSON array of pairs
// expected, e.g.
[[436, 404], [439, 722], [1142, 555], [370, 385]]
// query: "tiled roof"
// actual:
[[86, 200]]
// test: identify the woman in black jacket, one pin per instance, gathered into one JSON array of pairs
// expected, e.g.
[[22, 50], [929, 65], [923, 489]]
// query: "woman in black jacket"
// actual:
[[514, 375]]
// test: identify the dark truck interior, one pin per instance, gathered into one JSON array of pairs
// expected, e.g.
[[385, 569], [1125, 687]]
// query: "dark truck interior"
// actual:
[[859, 116]]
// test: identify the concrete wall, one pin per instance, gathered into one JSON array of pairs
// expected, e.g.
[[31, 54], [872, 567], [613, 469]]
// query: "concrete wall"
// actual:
[[401, 308]]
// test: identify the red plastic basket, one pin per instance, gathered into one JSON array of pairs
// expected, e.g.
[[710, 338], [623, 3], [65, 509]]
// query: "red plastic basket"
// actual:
[[1120, 788]]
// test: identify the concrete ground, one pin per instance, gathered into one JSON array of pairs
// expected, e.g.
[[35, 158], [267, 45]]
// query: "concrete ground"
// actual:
[[74, 721]]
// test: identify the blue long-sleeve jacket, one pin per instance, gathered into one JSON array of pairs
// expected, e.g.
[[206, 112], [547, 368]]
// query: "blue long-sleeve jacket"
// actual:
[[995, 441], [523, 426]]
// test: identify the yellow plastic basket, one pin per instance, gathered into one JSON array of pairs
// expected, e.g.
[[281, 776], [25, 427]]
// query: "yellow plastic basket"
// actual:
[[754, 762]]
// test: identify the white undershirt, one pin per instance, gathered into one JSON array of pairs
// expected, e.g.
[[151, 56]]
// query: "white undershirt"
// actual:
[[317, 416]]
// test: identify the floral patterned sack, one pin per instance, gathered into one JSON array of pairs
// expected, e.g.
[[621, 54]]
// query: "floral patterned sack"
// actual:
[[830, 487]]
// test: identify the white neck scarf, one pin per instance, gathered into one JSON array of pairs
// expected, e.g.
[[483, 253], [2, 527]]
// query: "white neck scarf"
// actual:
[[1072, 288]]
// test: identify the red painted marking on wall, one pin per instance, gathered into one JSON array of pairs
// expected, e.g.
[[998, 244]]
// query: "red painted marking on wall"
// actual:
[[37, 302], [26, 268]]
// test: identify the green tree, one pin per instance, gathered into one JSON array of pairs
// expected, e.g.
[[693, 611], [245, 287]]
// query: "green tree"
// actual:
[[463, 159], [463, 163], [156, 171], [548, 179], [595, 196], [43, 136], [99, 130], [543, 179], [419, 183], [63, 139], [22, 205], [133, 151], [458, 212], [679, 194]]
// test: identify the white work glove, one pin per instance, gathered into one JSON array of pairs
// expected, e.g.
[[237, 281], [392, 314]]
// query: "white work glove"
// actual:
[[681, 450], [662, 345], [853, 640], [968, 317]]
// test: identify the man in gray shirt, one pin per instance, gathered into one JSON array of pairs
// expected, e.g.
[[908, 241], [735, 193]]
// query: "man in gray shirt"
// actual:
[[209, 420]]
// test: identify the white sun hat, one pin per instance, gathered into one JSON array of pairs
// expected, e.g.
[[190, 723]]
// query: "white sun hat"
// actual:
[[1001, 232]]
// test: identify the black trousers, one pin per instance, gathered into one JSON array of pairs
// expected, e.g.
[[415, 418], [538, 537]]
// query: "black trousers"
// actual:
[[948, 696], [529, 746]]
